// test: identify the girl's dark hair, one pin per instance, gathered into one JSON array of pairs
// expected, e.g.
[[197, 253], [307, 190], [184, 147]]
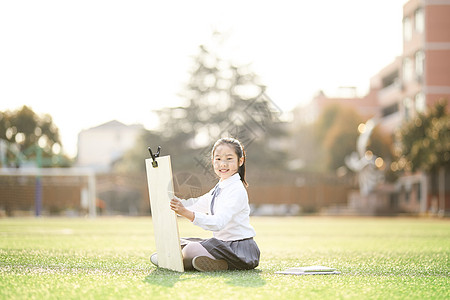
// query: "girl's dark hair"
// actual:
[[240, 152]]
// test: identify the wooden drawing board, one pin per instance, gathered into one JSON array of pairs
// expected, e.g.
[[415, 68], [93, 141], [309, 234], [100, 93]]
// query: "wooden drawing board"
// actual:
[[167, 239]]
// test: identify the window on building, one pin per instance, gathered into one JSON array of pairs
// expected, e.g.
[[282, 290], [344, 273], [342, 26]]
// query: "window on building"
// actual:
[[389, 110], [407, 106], [419, 63], [389, 79], [407, 29], [420, 102], [407, 69], [419, 20]]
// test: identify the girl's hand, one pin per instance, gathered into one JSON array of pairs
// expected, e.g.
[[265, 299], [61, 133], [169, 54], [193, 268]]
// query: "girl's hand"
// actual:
[[179, 208]]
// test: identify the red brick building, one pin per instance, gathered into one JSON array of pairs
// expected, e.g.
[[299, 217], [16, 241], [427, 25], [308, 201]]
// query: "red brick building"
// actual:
[[413, 82], [421, 75]]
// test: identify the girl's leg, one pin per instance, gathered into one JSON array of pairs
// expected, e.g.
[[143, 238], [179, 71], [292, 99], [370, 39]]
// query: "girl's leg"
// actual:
[[192, 250]]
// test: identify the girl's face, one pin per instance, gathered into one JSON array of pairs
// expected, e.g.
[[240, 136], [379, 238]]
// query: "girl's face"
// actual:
[[226, 162]]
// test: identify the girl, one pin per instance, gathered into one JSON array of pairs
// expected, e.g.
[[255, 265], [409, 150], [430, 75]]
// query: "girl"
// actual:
[[225, 211]]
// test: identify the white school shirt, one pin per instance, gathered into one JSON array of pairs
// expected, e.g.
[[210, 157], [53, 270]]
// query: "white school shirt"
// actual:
[[231, 219]]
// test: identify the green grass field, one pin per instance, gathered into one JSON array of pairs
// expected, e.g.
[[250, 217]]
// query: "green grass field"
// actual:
[[108, 258]]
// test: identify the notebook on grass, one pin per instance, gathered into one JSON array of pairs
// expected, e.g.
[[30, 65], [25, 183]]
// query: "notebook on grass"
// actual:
[[310, 270]]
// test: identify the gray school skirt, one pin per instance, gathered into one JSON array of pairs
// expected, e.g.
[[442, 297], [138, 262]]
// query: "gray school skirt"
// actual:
[[240, 255]]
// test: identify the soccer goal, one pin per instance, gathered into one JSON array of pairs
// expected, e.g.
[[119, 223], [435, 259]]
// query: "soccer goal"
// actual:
[[47, 191]]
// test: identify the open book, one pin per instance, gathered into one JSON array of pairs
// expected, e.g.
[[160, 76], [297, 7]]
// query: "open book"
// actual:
[[310, 270]]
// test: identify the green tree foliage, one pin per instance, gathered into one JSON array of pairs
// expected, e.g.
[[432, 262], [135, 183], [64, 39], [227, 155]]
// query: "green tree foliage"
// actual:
[[327, 120], [306, 152], [220, 99], [339, 139], [337, 132], [425, 141], [24, 131]]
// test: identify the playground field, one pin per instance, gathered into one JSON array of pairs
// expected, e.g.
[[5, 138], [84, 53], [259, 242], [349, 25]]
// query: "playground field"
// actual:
[[108, 258]]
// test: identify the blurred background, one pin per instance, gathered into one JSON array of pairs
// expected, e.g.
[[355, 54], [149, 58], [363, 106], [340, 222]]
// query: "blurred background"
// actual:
[[342, 106]]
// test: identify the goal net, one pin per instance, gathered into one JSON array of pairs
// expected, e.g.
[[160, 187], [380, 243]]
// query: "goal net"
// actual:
[[47, 191]]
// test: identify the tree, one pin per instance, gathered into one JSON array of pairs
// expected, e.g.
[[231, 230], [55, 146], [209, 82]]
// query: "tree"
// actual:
[[425, 146], [222, 99], [425, 141], [303, 151], [29, 135], [340, 139], [337, 132]]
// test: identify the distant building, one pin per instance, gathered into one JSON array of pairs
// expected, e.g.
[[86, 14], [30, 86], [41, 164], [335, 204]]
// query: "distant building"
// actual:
[[100, 146], [366, 106], [387, 85], [415, 80], [421, 75], [409, 85]]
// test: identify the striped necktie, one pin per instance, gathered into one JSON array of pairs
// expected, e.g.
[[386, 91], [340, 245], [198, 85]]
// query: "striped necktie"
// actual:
[[215, 193]]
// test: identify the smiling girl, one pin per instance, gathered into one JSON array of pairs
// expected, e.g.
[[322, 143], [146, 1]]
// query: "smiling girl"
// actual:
[[225, 211]]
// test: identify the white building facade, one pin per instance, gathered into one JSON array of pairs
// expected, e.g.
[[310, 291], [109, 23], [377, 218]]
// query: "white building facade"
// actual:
[[99, 147]]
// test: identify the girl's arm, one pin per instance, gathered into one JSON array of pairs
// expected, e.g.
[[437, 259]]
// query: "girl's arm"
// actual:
[[197, 204], [179, 208]]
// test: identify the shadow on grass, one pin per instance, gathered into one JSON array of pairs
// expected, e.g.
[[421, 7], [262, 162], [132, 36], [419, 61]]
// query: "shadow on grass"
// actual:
[[163, 277], [241, 278]]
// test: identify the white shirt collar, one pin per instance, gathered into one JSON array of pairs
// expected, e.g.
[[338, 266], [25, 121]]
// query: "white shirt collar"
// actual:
[[230, 180]]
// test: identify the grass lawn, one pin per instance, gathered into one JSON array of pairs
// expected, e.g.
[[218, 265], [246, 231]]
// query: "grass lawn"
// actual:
[[108, 258]]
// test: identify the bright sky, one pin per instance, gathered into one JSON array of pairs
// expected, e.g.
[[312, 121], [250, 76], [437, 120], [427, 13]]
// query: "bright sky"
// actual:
[[87, 62]]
